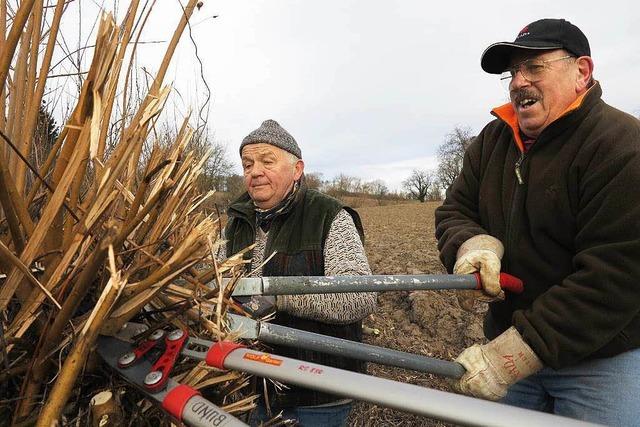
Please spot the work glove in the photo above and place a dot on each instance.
(493, 367)
(481, 253)
(258, 306)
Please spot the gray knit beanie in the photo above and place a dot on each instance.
(270, 132)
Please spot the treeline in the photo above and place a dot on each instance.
(220, 175)
(422, 184)
(342, 186)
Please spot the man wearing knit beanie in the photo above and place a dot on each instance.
(272, 165)
(270, 132)
(311, 234)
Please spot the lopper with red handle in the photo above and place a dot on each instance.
(461, 410)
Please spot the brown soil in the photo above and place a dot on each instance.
(400, 240)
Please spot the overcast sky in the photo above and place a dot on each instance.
(371, 88)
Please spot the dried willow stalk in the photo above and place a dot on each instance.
(75, 361)
(126, 229)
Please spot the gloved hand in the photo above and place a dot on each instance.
(258, 306)
(481, 253)
(493, 367)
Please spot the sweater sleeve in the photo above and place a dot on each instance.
(344, 255)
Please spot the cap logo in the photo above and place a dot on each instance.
(523, 32)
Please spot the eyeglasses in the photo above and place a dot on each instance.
(532, 70)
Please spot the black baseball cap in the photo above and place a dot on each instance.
(545, 34)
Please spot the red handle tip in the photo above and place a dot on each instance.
(507, 283)
(511, 283)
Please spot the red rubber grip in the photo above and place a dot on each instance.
(177, 398)
(219, 351)
(507, 283)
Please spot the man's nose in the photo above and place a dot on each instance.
(518, 81)
(257, 169)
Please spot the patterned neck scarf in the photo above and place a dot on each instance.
(264, 217)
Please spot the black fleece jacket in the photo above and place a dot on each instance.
(571, 229)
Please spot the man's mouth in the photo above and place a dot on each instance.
(526, 103)
(525, 100)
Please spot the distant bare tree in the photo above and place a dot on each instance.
(218, 166)
(342, 184)
(419, 183)
(44, 138)
(378, 189)
(313, 180)
(451, 155)
(357, 186)
(435, 193)
(234, 185)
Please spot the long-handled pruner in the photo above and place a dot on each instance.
(419, 400)
(248, 328)
(296, 285)
(270, 333)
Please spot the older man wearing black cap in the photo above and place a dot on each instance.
(311, 234)
(548, 192)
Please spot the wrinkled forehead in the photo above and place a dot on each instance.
(521, 55)
(260, 150)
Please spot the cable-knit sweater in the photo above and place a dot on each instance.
(344, 255)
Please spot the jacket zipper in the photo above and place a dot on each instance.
(515, 204)
(518, 165)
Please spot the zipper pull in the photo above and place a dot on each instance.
(518, 173)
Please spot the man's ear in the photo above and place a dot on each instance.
(585, 72)
(299, 169)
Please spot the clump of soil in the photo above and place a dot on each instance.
(400, 240)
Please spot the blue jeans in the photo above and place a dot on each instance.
(604, 391)
(319, 416)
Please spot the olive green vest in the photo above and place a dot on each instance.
(298, 237)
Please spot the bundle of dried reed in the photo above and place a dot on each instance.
(119, 235)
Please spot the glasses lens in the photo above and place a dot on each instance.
(505, 79)
(532, 70)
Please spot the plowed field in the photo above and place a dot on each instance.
(400, 240)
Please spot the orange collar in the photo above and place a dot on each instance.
(507, 114)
